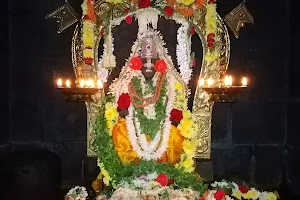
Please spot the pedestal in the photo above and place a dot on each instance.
(205, 168)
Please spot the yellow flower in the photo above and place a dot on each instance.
(189, 147)
(111, 114)
(251, 194)
(271, 196)
(178, 86)
(185, 131)
(211, 56)
(106, 177)
(114, 1)
(186, 2)
(188, 163)
(237, 194)
(88, 53)
(187, 114)
(84, 7)
(104, 172)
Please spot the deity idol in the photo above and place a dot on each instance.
(153, 121)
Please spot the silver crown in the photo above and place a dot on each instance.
(148, 47)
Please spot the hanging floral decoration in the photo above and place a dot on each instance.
(211, 29)
(88, 26)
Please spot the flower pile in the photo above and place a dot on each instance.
(77, 193)
(230, 190)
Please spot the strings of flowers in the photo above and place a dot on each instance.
(88, 26)
(187, 127)
(211, 29)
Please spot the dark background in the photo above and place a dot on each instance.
(256, 139)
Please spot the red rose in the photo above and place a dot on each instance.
(126, 10)
(171, 181)
(192, 31)
(162, 179)
(219, 195)
(128, 19)
(144, 3)
(124, 101)
(88, 60)
(244, 189)
(202, 198)
(210, 44)
(168, 11)
(136, 63)
(176, 115)
(160, 66)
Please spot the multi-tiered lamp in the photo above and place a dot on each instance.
(223, 90)
(82, 89)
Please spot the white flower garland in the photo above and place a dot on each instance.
(152, 150)
(183, 50)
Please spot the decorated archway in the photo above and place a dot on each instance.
(202, 19)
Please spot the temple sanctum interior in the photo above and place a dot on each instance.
(150, 100)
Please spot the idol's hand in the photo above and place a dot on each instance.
(123, 112)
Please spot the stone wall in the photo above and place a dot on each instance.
(255, 139)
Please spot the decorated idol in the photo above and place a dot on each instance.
(146, 129)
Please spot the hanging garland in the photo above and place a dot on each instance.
(88, 26)
(211, 29)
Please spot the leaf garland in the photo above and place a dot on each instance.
(150, 127)
(125, 172)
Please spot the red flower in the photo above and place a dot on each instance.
(168, 11)
(211, 35)
(171, 181)
(126, 10)
(124, 101)
(128, 19)
(244, 189)
(192, 31)
(144, 3)
(102, 32)
(219, 195)
(202, 198)
(88, 60)
(210, 44)
(176, 115)
(194, 62)
(162, 179)
(136, 63)
(212, 1)
(160, 66)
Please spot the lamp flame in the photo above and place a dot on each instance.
(244, 81)
(59, 82)
(68, 83)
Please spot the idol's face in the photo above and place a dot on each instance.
(148, 68)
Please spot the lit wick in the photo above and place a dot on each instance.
(59, 82)
(201, 82)
(82, 82)
(68, 83)
(210, 82)
(244, 82)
